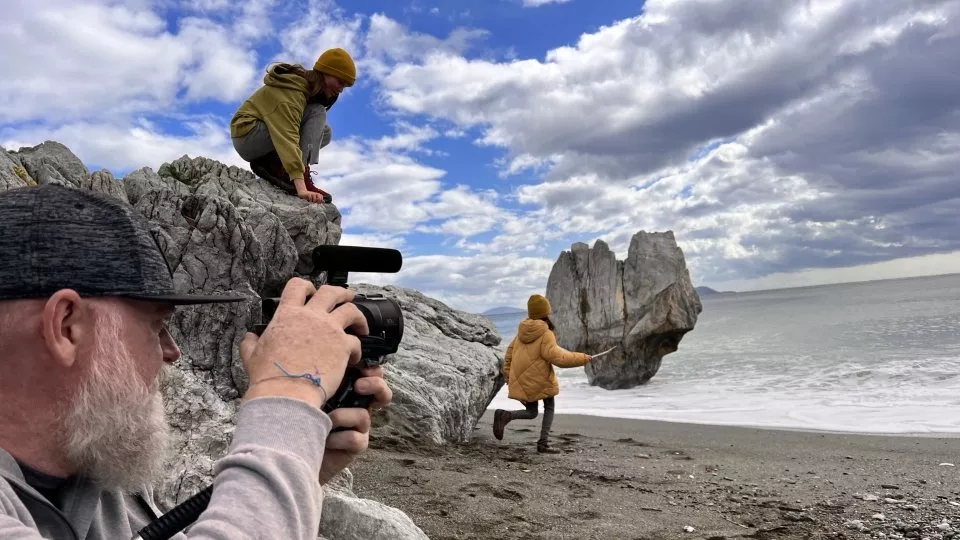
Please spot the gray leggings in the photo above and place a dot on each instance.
(531, 412)
(315, 133)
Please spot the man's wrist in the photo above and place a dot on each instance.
(300, 185)
(291, 387)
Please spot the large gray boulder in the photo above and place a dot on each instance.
(12, 172)
(348, 517)
(53, 163)
(643, 306)
(443, 377)
(223, 230)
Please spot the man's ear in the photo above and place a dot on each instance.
(66, 324)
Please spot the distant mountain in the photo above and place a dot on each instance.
(503, 311)
(707, 291)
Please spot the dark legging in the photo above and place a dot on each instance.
(531, 412)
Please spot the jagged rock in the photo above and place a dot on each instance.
(53, 163)
(103, 182)
(279, 251)
(348, 517)
(643, 305)
(12, 172)
(223, 230)
(444, 375)
(142, 181)
(306, 224)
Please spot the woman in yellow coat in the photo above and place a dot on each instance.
(528, 369)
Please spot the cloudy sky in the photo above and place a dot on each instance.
(785, 142)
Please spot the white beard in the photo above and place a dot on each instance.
(114, 431)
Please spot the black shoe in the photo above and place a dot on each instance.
(498, 424)
(543, 447)
(270, 168)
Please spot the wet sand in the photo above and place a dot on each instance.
(633, 479)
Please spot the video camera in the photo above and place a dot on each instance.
(384, 316)
(385, 321)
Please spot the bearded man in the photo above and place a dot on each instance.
(85, 296)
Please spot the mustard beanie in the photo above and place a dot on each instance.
(538, 307)
(337, 62)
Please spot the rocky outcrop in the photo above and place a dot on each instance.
(643, 306)
(348, 517)
(12, 172)
(224, 230)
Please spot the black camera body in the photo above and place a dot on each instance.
(384, 315)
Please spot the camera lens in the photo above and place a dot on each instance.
(385, 321)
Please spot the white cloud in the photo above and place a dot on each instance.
(476, 283)
(388, 38)
(255, 20)
(86, 60)
(627, 98)
(463, 213)
(538, 3)
(205, 5)
(389, 193)
(117, 84)
(218, 69)
(387, 42)
(319, 26)
(386, 240)
(770, 136)
(385, 193)
(120, 117)
(125, 147)
(379, 191)
(409, 138)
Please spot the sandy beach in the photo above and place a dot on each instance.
(630, 479)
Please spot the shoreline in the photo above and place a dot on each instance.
(675, 424)
(931, 421)
(626, 479)
(583, 417)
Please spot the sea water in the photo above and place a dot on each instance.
(876, 357)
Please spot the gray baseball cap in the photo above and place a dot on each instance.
(54, 237)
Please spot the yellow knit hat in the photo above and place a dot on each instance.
(337, 62)
(538, 307)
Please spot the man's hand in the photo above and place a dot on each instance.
(344, 446)
(304, 338)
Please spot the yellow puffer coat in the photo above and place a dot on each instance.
(528, 366)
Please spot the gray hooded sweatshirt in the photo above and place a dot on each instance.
(266, 486)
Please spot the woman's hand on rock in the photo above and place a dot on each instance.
(310, 196)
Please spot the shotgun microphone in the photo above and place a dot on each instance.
(357, 259)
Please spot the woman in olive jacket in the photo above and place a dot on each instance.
(281, 128)
(528, 369)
